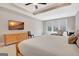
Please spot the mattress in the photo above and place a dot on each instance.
(48, 45)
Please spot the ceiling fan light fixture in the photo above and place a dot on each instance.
(35, 3)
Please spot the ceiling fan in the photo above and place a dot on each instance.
(36, 6)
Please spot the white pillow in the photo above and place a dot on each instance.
(77, 42)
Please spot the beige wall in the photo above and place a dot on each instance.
(71, 24)
(77, 21)
(30, 24)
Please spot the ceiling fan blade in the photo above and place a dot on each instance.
(28, 3)
(36, 6)
(42, 3)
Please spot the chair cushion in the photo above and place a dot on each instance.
(72, 39)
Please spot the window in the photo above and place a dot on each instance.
(49, 28)
(56, 25)
(55, 28)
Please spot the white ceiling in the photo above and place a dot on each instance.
(31, 8)
(65, 11)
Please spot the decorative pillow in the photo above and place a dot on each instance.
(77, 42)
(72, 39)
(77, 33)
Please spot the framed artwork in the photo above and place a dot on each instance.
(15, 25)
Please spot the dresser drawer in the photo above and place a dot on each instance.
(10, 38)
(13, 38)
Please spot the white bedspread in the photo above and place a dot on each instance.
(48, 45)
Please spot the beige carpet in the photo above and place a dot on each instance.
(11, 50)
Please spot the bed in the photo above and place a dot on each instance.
(48, 45)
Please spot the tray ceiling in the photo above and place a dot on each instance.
(41, 13)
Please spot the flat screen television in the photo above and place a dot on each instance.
(15, 25)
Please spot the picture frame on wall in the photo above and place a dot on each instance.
(15, 25)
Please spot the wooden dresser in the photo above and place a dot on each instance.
(13, 38)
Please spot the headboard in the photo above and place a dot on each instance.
(13, 38)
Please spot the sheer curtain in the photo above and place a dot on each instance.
(59, 25)
(53, 26)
